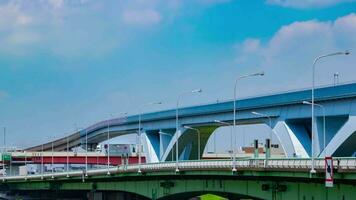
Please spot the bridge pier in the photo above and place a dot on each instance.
(344, 141)
(188, 143)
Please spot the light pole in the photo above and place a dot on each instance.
(76, 130)
(177, 123)
(4, 139)
(121, 117)
(108, 149)
(227, 124)
(42, 161)
(139, 132)
(312, 103)
(268, 154)
(324, 122)
(52, 165)
(67, 138)
(86, 152)
(237, 80)
(26, 163)
(198, 132)
(10, 167)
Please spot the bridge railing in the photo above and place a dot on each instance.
(294, 164)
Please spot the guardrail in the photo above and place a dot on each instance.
(340, 164)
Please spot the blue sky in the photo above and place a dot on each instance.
(67, 63)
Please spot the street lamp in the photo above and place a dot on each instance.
(42, 161)
(198, 132)
(108, 144)
(52, 149)
(4, 139)
(76, 129)
(86, 152)
(312, 102)
(268, 153)
(239, 78)
(324, 122)
(108, 148)
(67, 156)
(177, 123)
(139, 132)
(227, 124)
(25, 164)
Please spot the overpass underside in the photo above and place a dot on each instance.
(293, 134)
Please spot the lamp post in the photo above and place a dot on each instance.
(312, 102)
(177, 123)
(4, 139)
(25, 165)
(42, 161)
(76, 129)
(198, 132)
(10, 166)
(324, 122)
(268, 154)
(237, 80)
(139, 132)
(108, 149)
(67, 138)
(86, 152)
(52, 149)
(227, 124)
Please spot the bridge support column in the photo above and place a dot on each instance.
(344, 142)
(151, 146)
(290, 143)
(188, 142)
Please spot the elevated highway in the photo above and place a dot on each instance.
(291, 122)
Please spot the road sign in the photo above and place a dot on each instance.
(329, 174)
(5, 157)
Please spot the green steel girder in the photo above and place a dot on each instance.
(168, 185)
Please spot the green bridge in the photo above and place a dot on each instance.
(255, 179)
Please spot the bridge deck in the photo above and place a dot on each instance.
(341, 165)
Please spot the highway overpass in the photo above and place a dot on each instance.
(291, 122)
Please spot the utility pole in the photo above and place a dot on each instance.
(4, 139)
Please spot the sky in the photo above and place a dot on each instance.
(66, 64)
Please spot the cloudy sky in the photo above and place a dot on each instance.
(70, 63)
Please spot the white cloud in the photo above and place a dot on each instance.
(141, 17)
(61, 27)
(293, 47)
(15, 29)
(12, 17)
(72, 28)
(307, 3)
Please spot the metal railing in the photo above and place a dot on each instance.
(294, 164)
